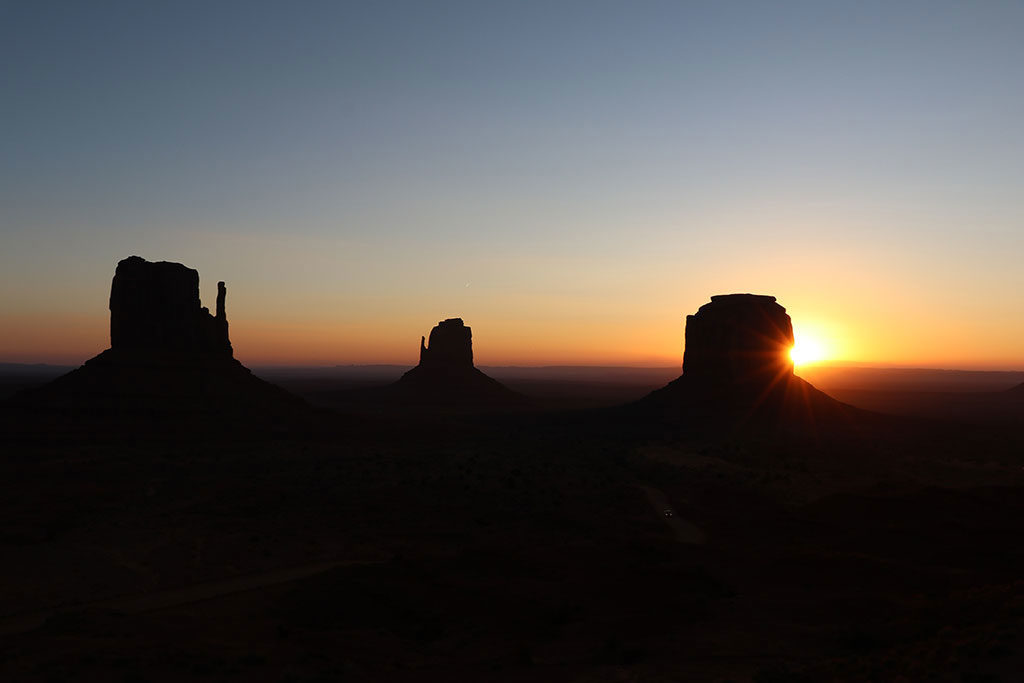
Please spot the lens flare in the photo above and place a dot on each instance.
(807, 350)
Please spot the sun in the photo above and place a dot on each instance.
(807, 350)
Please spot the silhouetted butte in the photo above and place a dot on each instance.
(156, 306)
(446, 376)
(167, 355)
(737, 368)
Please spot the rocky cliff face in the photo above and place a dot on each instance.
(451, 345)
(739, 340)
(155, 306)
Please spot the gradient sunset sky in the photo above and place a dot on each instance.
(572, 179)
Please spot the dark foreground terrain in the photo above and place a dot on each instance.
(520, 547)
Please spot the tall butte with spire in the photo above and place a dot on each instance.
(167, 353)
(737, 368)
(156, 307)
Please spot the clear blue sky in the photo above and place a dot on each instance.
(571, 178)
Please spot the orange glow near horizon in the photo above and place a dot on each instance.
(636, 341)
(542, 334)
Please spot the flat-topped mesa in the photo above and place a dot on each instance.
(155, 306)
(737, 372)
(738, 341)
(450, 346)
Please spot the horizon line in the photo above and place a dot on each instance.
(837, 364)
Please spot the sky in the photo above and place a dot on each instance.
(570, 178)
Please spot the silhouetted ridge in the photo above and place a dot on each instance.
(736, 368)
(167, 354)
(445, 375)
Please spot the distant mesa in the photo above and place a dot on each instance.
(167, 355)
(736, 367)
(446, 376)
